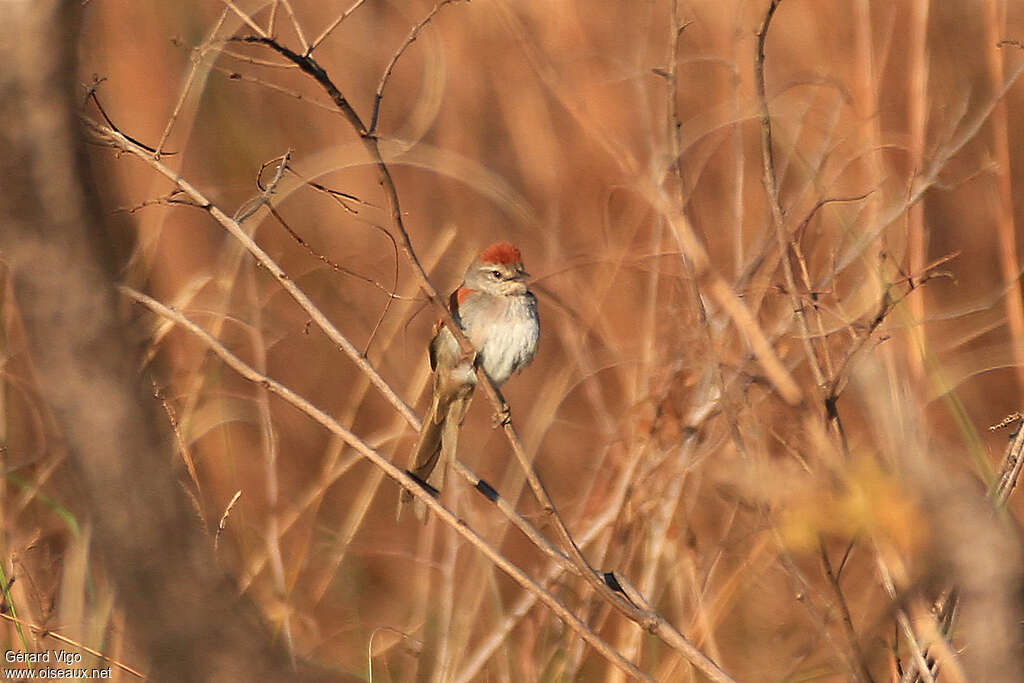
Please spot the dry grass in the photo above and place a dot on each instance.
(775, 330)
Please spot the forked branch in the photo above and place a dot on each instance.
(648, 619)
(400, 476)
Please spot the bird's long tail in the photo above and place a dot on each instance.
(436, 445)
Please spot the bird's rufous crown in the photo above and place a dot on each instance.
(502, 252)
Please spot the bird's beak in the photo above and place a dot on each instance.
(522, 276)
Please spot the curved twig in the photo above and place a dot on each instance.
(400, 476)
(648, 619)
(410, 39)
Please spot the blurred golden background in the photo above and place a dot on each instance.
(595, 135)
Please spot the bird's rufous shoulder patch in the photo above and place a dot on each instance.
(461, 293)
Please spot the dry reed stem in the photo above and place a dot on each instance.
(249, 21)
(357, 513)
(117, 139)
(829, 372)
(655, 548)
(186, 454)
(861, 672)
(331, 470)
(249, 59)
(183, 115)
(235, 76)
(674, 136)
(296, 26)
(772, 189)
(610, 513)
(1013, 461)
(308, 50)
(648, 619)
(669, 500)
(917, 98)
(386, 76)
(963, 131)
(73, 334)
(722, 292)
(349, 528)
(407, 482)
(837, 373)
(916, 651)
(198, 54)
(445, 594)
(268, 440)
(48, 633)
(707, 619)
(995, 27)
(806, 596)
(858, 660)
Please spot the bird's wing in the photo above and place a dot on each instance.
(453, 306)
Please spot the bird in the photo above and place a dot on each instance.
(496, 309)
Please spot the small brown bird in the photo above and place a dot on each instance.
(499, 315)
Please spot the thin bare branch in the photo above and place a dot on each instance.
(197, 56)
(771, 188)
(47, 633)
(409, 40)
(649, 620)
(861, 672)
(333, 25)
(122, 142)
(256, 61)
(237, 76)
(916, 651)
(399, 476)
(296, 26)
(249, 21)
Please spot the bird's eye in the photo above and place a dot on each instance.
(496, 274)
